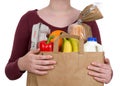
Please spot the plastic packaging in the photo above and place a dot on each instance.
(39, 33)
(43, 32)
(92, 46)
(83, 30)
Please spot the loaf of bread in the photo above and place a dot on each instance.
(82, 30)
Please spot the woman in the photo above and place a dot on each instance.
(55, 16)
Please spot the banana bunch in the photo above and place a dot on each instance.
(70, 45)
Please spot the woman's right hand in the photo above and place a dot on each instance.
(35, 63)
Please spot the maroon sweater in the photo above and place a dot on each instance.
(22, 40)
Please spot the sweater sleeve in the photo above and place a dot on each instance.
(20, 48)
(95, 30)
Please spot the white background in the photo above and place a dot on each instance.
(12, 10)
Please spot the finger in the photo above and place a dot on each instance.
(44, 68)
(100, 79)
(44, 57)
(96, 74)
(45, 62)
(100, 65)
(107, 61)
(40, 72)
(36, 51)
(97, 69)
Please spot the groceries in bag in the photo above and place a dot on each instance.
(80, 29)
(92, 46)
(46, 45)
(70, 45)
(56, 33)
(39, 33)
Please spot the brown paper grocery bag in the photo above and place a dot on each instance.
(70, 70)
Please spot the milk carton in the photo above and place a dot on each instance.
(92, 46)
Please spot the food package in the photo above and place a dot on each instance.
(90, 13)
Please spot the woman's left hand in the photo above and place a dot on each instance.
(101, 72)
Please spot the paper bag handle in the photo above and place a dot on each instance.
(65, 35)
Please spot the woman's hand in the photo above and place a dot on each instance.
(101, 72)
(38, 64)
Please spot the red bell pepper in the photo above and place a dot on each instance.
(46, 45)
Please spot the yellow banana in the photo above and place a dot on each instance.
(75, 44)
(67, 47)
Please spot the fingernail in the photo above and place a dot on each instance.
(38, 49)
(50, 56)
(54, 62)
(89, 73)
(88, 67)
(52, 67)
(93, 62)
